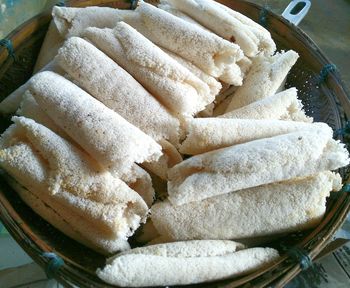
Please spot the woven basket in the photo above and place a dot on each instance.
(324, 98)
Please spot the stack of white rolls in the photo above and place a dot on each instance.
(184, 100)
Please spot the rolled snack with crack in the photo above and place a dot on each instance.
(73, 21)
(223, 99)
(208, 134)
(140, 181)
(204, 49)
(229, 24)
(263, 161)
(137, 179)
(263, 79)
(214, 85)
(183, 263)
(272, 209)
(171, 83)
(169, 159)
(52, 42)
(284, 105)
(12, 102)
(233, 73)
(117, 89)
(101, 132)
(60, 173)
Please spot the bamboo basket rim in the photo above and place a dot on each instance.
(71, 272)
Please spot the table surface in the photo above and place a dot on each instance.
(327, 23)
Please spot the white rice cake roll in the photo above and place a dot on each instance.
(263, 161)
(30, 109)
(171, 83)
(52, 42)
(137, 179)
(183, 263)
(105, 135)
(206, 50)
(117, 89)
(73, 226)
(172, 10)
(169, 159)
(229, 24)
(214, 85)
(232, 74)
(207, 134)
(281, 106)
(12, 102)
(42, 161)
(272, 209)
(188, 249)
(73, 21)
(140, 181)
(263, 79)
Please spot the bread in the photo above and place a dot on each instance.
(105, 135)
(229, 24)
(264, 78)
(54, 169)
(263, 161)
(172, 84)
(52, 42)
(73, 21)
(276, 208)
(282, 106)
(204, 49)
(207, 134)
(118, 90)
(12, 102)
(183, 263)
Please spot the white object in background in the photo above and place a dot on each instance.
(296, 11)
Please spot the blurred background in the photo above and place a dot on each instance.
(15, 12)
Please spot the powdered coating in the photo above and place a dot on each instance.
(73, 21)
(138, 270)
(281, 106)
(171, 83)
(207, 134)
(104, 134)
(253, 212)
(117, 89)
(204, 49)
(264, 78)
(58, 172)
(229, 24)
(255, 163)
